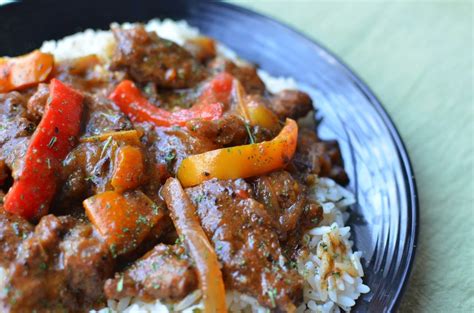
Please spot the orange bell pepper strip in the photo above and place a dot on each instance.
(128, 172)
(25, 71)
(186, 222)
(209, 106)
(241, 161)
(52, 140)
(123, 220)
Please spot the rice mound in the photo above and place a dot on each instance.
(332, 271)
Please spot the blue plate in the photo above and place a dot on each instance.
(385, 220)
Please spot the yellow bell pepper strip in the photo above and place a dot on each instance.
(25, 71)
(52, 140)
(209, 105)
(128, 169)
(186, 222)
(131, 137)
(124, 220)
(241, 161)
(255, 113)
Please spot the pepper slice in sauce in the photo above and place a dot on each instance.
(52, 140)
(209, 105)
(183, 214)
(241, 161)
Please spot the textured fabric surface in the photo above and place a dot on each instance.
(418, 59)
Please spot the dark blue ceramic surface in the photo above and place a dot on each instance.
(385, 219)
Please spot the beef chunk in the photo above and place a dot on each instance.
(102, 115)
(86, 73)
(37, 103)
(228, 130)
(62, 265)
(15, 130)
(202, 48)
(167, 147)
(163, 273)
(316, 156)
(12, 152)
(244, 239)
(13, 230)
(13, 118)
(149, 58)
(246, 74)
(291, 103)
(286, 200)
(88, 169)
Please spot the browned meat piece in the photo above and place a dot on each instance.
(88, 169)
(86, 73)
(319, 157)
(61, 266)
(13, 230)
(202, 48)
(286, 200)
(169, 146)
(15, 130)
(228, 130)
(12, 105)
(163, 273)
(37, 102)
(242, 233)
(86, 263)
(13, 121)
(291, 103)
(246, 74)
(12, 153)
(148, 58)
(102, 115)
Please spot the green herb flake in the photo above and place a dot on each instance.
(179, 240)
(170, 156)
(249, 132)
(155, 209)
(141, 219)
(43, 266)
(16, 229)
(324, 246)
(272, 293)
(120, 284)
(199, 198)
(113, 250)
(106, 145)
(52, 141)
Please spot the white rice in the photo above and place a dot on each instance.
(326, 289)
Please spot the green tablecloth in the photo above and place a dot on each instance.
(418, 59)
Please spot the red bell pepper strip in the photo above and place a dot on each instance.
(209, 105)
(52, 140)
